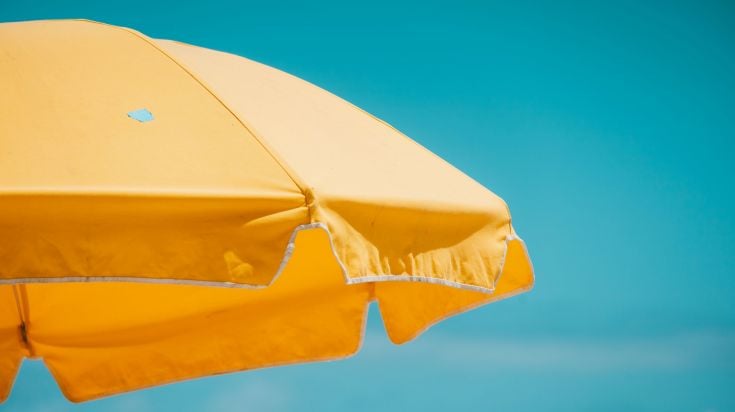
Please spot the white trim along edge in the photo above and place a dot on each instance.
(286, 257)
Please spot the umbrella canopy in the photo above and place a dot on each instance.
(169, 211)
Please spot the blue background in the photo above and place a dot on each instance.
(607, 127)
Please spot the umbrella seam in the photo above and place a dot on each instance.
(295, 178)
(21, 304)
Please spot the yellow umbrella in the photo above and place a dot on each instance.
(169, 211)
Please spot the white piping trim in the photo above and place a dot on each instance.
(511, 237)
(416, 278)
(131, 279)
(419, 279)
(284, 261)
(134, 279)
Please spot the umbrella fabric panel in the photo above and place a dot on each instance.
(393, 207)
(224, 128)
(164, 239)
(104, 338)
(337, 149)
(88, 191)
(387, 243)
(409, 308)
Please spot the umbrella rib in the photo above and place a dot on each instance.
(17, 303)
(23, 327)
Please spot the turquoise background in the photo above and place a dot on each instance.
(609, 129)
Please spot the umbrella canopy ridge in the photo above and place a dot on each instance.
(138, 174)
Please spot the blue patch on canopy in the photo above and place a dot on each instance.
(141, 115)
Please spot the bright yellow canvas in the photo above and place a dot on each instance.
(169, 211)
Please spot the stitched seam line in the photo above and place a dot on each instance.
(289, 172)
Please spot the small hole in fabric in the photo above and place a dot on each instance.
(141, 115)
